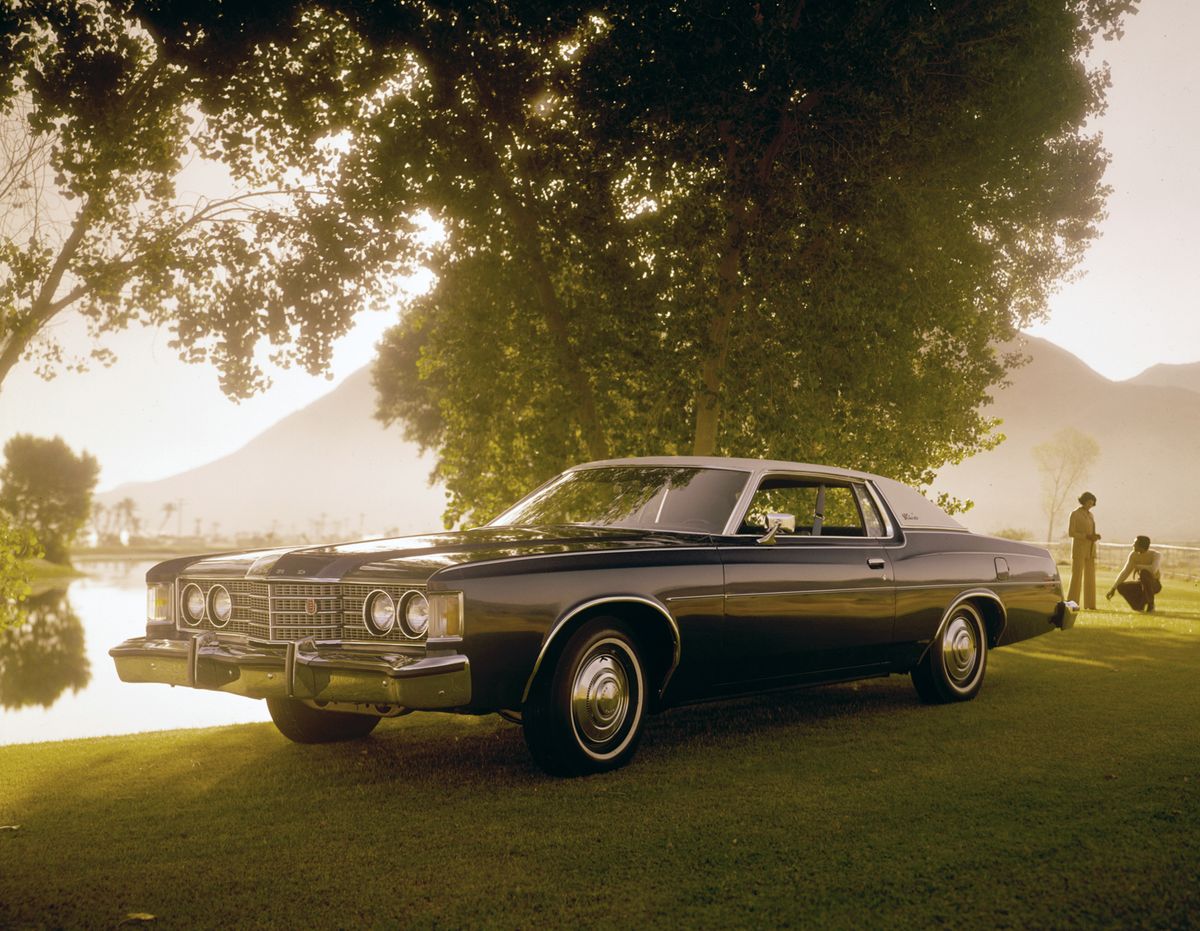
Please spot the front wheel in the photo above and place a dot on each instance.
(584, 715)
(307, 725)
(952, 668)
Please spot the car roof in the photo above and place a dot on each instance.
(728, 462)
(912, 509)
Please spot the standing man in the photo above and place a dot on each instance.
(1083, 552)
(1146, 563)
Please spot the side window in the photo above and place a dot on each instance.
(870, 513)
(820, 508)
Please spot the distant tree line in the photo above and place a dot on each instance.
(795, 230)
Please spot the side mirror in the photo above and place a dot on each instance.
(775, 523)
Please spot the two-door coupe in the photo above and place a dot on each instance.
(615, 590)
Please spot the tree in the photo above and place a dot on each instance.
(48, 488)
(96, 128)
(805, 248)
(45, 658)
(1063, 461)
(18, 545)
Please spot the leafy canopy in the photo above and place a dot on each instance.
(47, 488)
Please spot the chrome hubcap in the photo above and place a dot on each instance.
(960, 650)
(600, 695)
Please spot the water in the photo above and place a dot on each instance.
(57, 680)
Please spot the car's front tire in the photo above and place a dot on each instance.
(585, 713)
(307, 725)
(953, 666)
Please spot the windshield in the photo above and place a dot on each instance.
(643, 497)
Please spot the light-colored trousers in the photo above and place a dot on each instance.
(1083, 573)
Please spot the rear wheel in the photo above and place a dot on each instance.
(953, 666)
(584, 714)
(307, 725)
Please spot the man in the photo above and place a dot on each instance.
(1083, 552)
(1146, 563)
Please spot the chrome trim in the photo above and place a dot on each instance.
(406, 627)
(741, 509)
(211, 611)
(966, 596)
(186, 615)
(612, 599)
(369, 621)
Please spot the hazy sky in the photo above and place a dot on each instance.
(151, 415)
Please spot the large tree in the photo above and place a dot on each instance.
(716, 227)
(47, 488)
(103, 141)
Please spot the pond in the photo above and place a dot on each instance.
(57, 680)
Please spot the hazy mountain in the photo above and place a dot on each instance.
(1166, 375)
(1149, 437)
(330, 470)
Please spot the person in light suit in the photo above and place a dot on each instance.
(1082, 530)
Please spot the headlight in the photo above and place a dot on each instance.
(379, 613)
(193, 604)
(220, 605)
(158, 602)
(416, 615)
(445, 616)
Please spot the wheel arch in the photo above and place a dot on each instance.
(656, 631)
(990, 607)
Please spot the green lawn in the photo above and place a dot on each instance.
(1066, 795)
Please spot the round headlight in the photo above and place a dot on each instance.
(220, 605)
(193, 604)
(416, 614)
(379, 613)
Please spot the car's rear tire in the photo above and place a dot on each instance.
(952, 668)
(307, 725)
(585, 712)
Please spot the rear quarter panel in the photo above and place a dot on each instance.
(932, 568)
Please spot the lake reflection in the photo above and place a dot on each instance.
(57, 680)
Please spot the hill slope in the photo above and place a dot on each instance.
(1149, 438)
(328, 470)
(1166, 375)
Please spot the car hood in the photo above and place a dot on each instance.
(415, 558)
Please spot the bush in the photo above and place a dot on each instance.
(18, 545)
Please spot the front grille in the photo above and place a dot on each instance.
(283, 611)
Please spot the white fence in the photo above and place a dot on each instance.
(1179, 561)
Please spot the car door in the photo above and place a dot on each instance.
(814, 601)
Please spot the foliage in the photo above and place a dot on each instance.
(1012, 533)
(805, 249)
(45, 656)
(1063, 461)
(48, 488)
(101, 137)
(18, 546)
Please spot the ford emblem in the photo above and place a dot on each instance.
(310, 607)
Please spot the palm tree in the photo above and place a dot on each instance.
(168, 510)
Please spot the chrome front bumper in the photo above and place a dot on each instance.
(302, 670)
(1064, 615)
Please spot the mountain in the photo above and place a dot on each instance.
(1149, 438)
(1166, 375)
(330, 470)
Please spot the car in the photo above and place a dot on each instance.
(613, 591)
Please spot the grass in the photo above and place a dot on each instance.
(1066, 795)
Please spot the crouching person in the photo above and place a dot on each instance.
(1143, 572)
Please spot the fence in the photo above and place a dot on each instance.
(1179, 561)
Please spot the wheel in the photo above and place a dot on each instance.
(584, 714)
(952, 668)
(307, 725)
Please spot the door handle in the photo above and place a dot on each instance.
(876, 563)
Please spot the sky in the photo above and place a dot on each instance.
(1134, 304)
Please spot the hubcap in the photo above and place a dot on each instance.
(960, 650)
(600, 695)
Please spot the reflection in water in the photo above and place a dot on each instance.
(45, 656)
